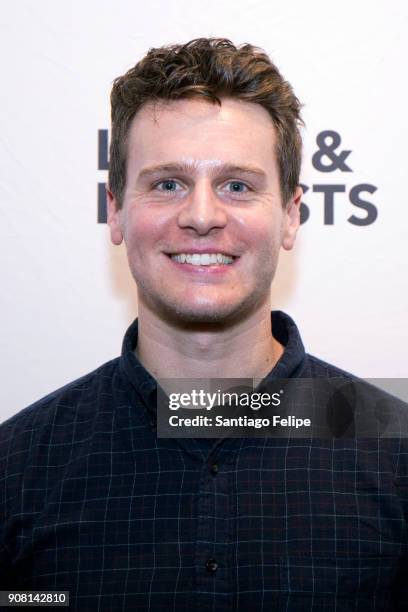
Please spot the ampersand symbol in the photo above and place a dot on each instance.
(327, 142)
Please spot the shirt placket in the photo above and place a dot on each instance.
(213, 578)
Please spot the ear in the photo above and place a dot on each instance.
(292, 219)
(114, 214)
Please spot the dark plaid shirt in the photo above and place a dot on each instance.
(92, 502)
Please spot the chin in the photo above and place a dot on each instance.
(211, 314)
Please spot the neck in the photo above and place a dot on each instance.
(245, 350)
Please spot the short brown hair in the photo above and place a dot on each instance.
(210, 68)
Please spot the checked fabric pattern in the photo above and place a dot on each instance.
(93, 503)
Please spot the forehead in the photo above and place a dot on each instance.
(196, 130)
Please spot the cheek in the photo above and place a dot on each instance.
(261, 231)
(144, 232)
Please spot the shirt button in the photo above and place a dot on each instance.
(211, 566)
(214, 469)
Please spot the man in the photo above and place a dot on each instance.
(203, 190)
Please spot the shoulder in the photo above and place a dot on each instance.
(317, 368)
(378, 413)
(366, 391)
(52, 418)
(369, 389)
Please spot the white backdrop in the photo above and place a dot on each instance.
(67, 296)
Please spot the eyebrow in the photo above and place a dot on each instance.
(192, 168)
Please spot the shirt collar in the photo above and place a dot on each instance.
(289, 365)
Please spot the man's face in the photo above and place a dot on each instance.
(202, 182)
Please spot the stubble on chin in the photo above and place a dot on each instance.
(180, 314)
(212, 313)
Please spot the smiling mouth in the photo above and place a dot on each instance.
(203, 259)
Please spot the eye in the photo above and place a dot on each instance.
(167, 186)
(237, 187)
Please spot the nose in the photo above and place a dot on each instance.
(202, 211)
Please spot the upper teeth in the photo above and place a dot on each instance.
(202, 259)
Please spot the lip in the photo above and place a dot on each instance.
(200, 251)
(213, 269)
